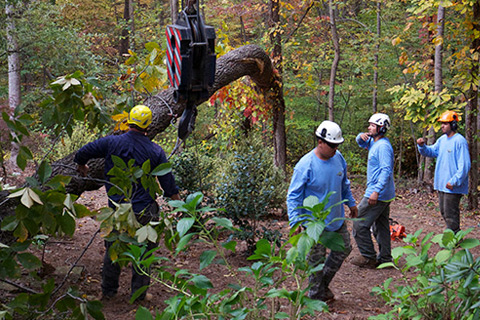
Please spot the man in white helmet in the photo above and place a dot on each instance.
(318, 173)
(375, 205)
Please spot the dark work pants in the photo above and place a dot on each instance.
(319, 281)
(376, 216)
(111, 271)
(449, 204)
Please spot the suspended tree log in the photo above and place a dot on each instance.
(248, 60)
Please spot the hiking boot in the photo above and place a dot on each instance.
(325, 296)
(363, 262)
(106, 296)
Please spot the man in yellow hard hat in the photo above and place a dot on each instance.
(133, 144)
(451, 169)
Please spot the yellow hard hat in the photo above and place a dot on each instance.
(448, 116)
(140, 116)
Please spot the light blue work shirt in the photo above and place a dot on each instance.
(313, 176)
(379, 168)
(453, 163)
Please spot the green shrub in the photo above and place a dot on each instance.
(443, 286)
(249, 187)
(192, 171)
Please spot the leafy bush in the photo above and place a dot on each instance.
(274, 268)
(192, 171)
(249, 186)
(444, 285)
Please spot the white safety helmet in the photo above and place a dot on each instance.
(382, 121)
(330, 132)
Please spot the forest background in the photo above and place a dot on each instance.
(70, 66)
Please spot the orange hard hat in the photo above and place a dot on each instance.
(448, 116)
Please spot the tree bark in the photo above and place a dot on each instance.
(472, 115)
(14, 78)
(375, 57)
(438, 80)
(125, 37)
(336, 60)
(275, 98)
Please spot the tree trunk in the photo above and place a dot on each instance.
(438, 79)
(125, 37)
(375, 57)
(336, 60)
(276, 97)
(14, 77)
(472, 115)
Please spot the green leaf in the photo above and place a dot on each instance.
(143, 314)
(223, 222)
(184, 225)
(282, 315)
(94, 309)
(162, 169)
(332, 240)
(118, 162)
(315, 229)
(202, 282)
(29, 261)
(442, 256)
(469, 243)
(310, 201)
(44, 171)
(230, 245)
(206, 258)
(67, 224)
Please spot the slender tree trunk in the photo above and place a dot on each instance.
(276, 98)
(125, 38)
(472, 116)
(438, 80)
(336, 60)
(375, 57)
(14, 77)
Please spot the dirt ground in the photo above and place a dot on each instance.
(352, 285)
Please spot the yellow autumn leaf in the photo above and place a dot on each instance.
(396, 41)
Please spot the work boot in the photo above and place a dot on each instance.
(363, 262)
(325, 295)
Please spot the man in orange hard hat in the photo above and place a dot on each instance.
(451, 169)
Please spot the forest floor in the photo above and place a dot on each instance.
(413, 208)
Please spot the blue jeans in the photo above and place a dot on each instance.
(376, 216)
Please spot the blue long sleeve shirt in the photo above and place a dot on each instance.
(313, 176)
(130, 145)
(379, 168)
(453, 163)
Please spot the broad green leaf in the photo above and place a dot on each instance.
(143, 314)
(44, 171)
(469, 243)
(202, 282)
(162, 169)
(315, 229)
(206, 258)
(442, 256)
(184, 225)
(29, 261)
(224, 222)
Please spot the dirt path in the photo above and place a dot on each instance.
(351, 286)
